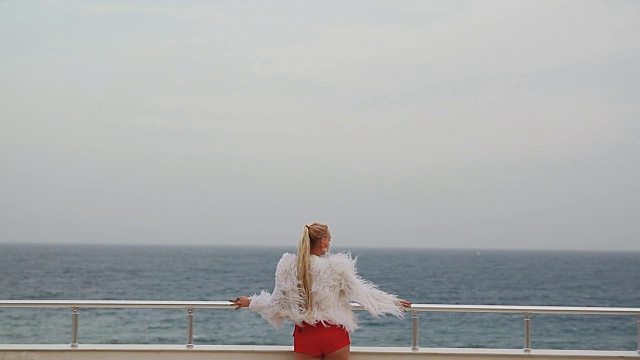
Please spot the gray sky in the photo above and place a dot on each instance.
(444, 124)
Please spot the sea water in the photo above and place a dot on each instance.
(428, 276)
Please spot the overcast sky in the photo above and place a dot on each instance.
(440, 124)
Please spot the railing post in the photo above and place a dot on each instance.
(638, 333)
(189, 327)
(74, 328)
(527, 332)
(414, 324)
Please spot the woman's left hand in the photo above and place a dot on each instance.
(404, 303)
(241, 302)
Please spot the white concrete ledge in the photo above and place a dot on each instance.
(263, 352)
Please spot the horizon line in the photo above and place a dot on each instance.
(341, 248)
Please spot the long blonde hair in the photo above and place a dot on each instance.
(311, 234)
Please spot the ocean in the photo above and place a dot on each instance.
(427, 276)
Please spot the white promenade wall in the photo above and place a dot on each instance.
(235, 352)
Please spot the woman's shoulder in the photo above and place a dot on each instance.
(342, 261)
(288, 257)
(287, 260)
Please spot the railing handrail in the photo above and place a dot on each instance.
(151, 304)
(415, 309)
(140, 304)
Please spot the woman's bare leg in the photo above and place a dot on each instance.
(340, 354)
(300, 356)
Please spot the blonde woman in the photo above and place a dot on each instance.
(313, 290)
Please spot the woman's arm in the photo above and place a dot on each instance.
(366, 293)
(283, 303)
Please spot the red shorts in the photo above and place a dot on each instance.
(320, 339)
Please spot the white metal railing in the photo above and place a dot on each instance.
(415, 309)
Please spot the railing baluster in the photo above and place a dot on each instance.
(189, 327)
(527, 332)
(414, 341)
(638, 333)
(74, 328)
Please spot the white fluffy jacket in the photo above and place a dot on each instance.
(335, 283)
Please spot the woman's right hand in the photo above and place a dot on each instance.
(241, 302)
(405, 304)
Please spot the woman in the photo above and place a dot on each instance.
(314, 290)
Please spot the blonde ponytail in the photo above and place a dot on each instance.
(311, 234)
(304, 276)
